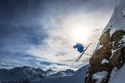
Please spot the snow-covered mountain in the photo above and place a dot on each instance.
(20, 73)
(23, 73)
(77, 77)
(68, 72)
(107, 61)
(30, 74)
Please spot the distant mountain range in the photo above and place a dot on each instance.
(30, 74)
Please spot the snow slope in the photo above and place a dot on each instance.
(117, 22)
(110, 51)
(118, 18)
(118, 76)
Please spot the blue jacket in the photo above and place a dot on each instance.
(79, 47)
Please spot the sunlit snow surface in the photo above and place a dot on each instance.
(99, 76)
(118, 76)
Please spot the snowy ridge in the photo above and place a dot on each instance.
(30, 73)
(117, 22)
(38, 75)
(109, 54)
(77, 77)
(118, 18)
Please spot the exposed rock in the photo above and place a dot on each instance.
(116, 39)
(118, 35)
(105, 38)
(112, 43)
(115, 59)
(105, 52)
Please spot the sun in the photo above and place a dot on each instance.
(80, 34)
(77, 30)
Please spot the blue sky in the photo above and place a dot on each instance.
(41, 33)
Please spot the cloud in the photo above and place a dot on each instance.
(57, 48)
(5, 65)
(37, 33)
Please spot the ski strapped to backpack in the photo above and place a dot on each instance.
(83, 52)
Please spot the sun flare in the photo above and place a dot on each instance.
(80, 34)
(77, 29)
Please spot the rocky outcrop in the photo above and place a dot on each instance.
(110, 51)
(109, 43)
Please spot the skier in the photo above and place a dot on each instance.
(80, 47)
